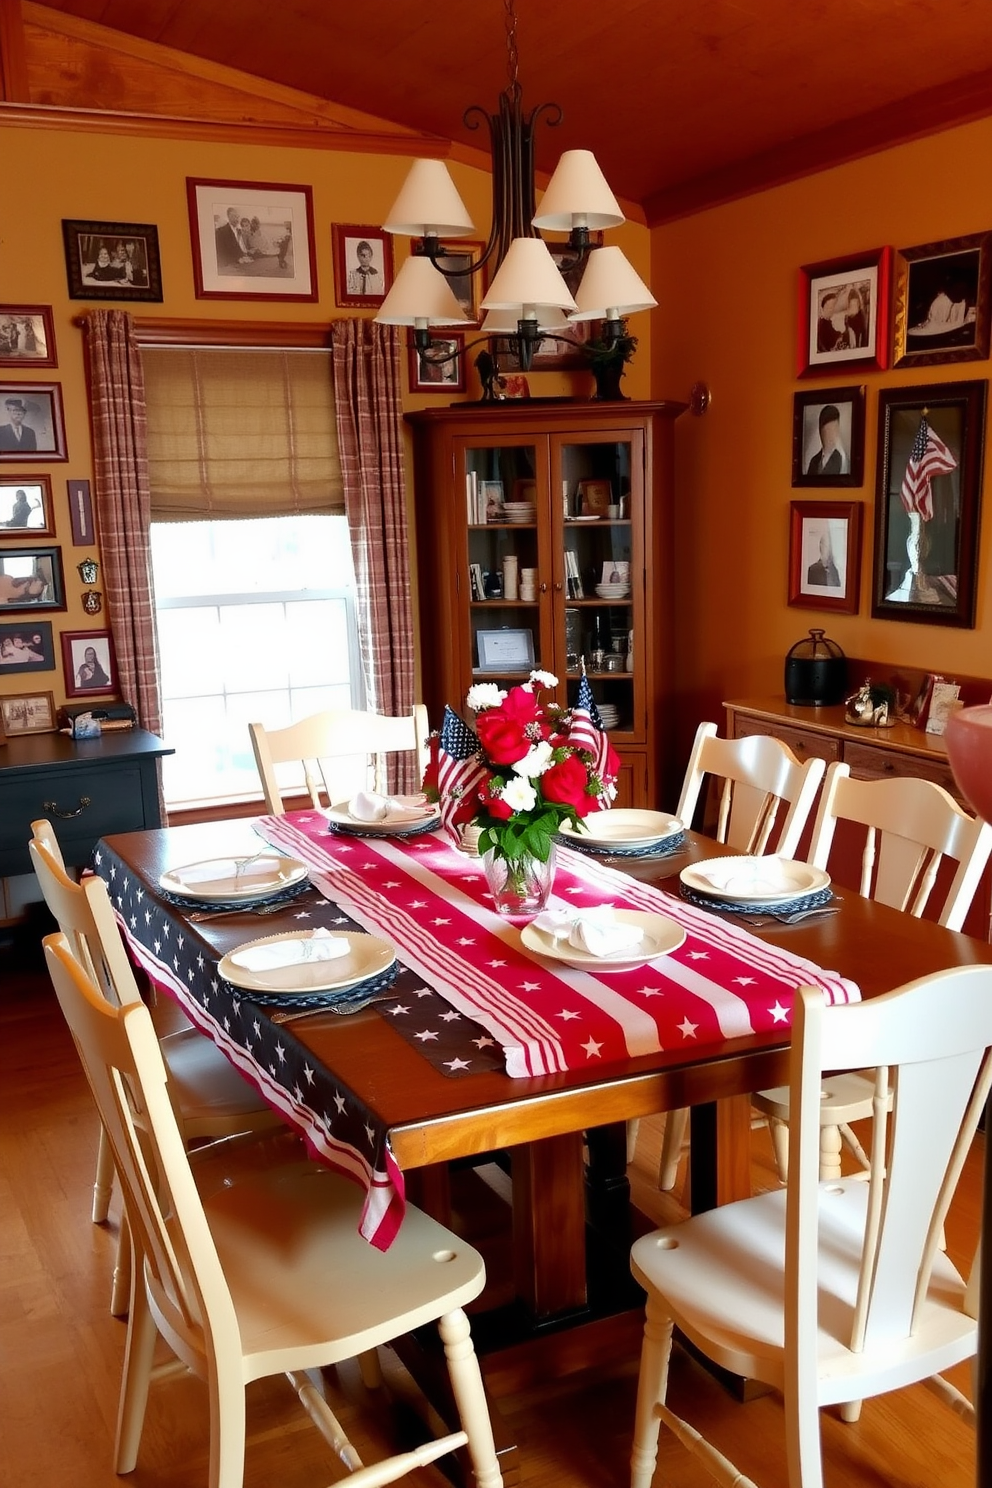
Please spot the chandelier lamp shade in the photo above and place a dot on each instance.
(527, 297)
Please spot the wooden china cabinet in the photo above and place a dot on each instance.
(570, 498)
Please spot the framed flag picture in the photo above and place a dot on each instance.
(931, 443)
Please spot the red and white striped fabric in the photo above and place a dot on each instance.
(432, 902)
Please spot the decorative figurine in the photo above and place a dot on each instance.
(93, 601)
(87, 570)
(869, 707)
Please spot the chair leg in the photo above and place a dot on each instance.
(470, 1397)
(859, 1152)
(676, 1125)
(103, 1181)
(141, 1336)
(120, 1292)
(802, 1439)
(652, 1387)
(780, 1146)
(829, 1152)
(633, 1127)
(227, 1427)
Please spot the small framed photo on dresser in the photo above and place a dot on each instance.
(88, 663)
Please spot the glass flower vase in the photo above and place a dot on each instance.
(519, 886)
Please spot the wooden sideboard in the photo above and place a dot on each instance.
(872, 754)
(87, 788)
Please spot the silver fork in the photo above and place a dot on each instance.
(791, 917)
(199, 915)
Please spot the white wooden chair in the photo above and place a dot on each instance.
(910, 826)
(252, 1260)
(210, 1097)
(760, 776)
(356, 741)
(833, 1292)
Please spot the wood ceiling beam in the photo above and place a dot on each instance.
(13, 55)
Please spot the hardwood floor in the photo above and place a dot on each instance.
(61, 1351)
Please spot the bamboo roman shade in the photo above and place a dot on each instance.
(240, 433)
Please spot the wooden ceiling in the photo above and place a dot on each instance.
(685, 102)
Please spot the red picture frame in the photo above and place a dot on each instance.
(825, 555)
(41, 405)
(75, 645)
(439, 377)
(354, 249)
(277, 260)
(845, 314)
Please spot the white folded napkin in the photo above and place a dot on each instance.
(242, 869)
(596, 931)
(368, 806)
(751, 876)
(322, 945)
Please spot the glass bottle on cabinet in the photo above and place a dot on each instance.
(544, 543)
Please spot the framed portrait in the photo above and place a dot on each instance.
(251, 240)
(941, 302)
(27, 336)
(30, 713)
(26, 506)
(88, 663)
(595, 497)
(844, 313)
(825, 555)
(112, 260)
(31, 422)
(505, 650)
(26, 646)
(363, 264)
(828, 437)
(31, 579)
(931, 444)
(441, 369)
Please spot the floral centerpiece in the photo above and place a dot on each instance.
(532, 766)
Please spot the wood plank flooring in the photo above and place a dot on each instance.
(61, 1351)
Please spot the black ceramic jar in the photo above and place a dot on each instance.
(815, 672)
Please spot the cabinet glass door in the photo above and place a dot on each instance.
(602, 509)
(509, 606)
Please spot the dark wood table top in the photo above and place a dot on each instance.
(433, 1119)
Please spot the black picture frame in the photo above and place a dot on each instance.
(31, 580)
(942, 302)
(825, 555)
(812, 425)
(40, 405)
(833, 286)
(26, 646)
(112, 260)
(925, 567)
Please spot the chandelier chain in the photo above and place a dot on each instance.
(512, 55)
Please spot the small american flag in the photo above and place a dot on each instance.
(461, 770)
(928, 457)
(586, 729)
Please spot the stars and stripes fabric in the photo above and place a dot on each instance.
(461, 770)
(586, 728)
(928, 457)
(434, 905)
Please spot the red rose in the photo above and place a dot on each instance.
(502, 731)
(494, 804)
(567, 784)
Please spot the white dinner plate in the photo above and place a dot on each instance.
(768, 880)
(251, 877)
(591, 517)
(388, 826)
(623, 827)
(660, 936)
(367, 957)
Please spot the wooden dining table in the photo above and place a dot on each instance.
(571, 1222)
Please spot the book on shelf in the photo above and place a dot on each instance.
(573, 579)
(477, 581)
(472, 498)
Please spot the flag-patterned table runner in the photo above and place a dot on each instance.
(432, 902)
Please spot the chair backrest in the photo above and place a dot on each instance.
(759, 775)
(910, 826)
(120, 1054)
(342, 735)
(84, 914)
(929, 1042)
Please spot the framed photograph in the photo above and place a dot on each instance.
(941, 302)
(441, 369)
(31, 713)
(26, 506)
(363, 264)
(595, 497)
(31, 422)
(828, 437)
(825, 555)
(491, 493)
(252, 240)
(88, 663)
(457, 260)
(27, 336)
(112, 260)
(931, 444)
(505, 650)
(844, 313)
(26, 647)
(31, 579)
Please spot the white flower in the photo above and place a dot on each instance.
(535, 761)
(484, 695)
(519, 794)
(544, 679)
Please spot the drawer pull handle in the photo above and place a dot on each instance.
(84, 801)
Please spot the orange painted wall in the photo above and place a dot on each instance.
(54, 173)
(727, 283)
